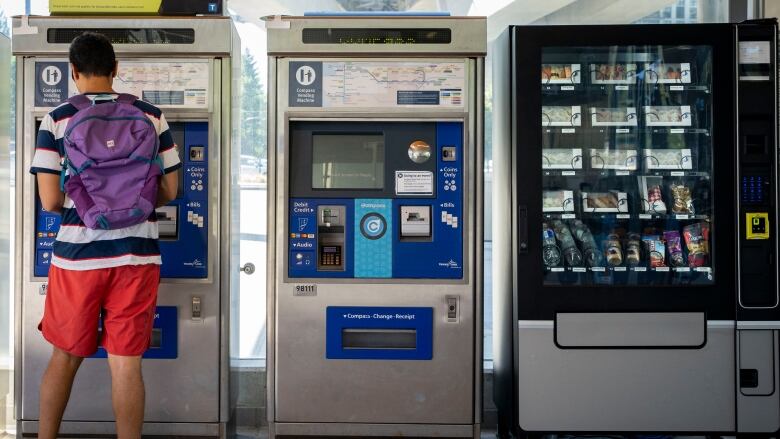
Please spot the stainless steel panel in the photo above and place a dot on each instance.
(30, 37)
(150, 428)
(185, 396)
(758, 413)
(468, 36)
(439, 391)
(370, 397)
(757, 351)
(625, 389)
(577, 330)
(368, 430)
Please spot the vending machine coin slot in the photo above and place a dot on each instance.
(330, 238)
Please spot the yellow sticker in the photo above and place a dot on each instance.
(113, 7)
(757, 225)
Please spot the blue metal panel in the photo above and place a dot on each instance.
(187, 256)
(339, 318)
(166, 321)
(303, 238)
(442, 257)
(373, 238)
(46, 227)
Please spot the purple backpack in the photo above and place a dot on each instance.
(112, 166)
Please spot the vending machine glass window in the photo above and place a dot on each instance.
(627, 165)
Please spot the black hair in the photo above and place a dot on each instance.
(92, 54)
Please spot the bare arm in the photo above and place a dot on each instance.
(168, 188)
(52, 198)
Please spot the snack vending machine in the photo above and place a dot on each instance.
(638, 291)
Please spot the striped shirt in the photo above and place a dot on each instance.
(78, 247)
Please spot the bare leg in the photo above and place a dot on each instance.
(55, 391)
(127, 395)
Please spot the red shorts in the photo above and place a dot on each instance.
(124, 296)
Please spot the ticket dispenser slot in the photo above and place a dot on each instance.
(330, 241)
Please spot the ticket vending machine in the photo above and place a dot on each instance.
(183, 67)
(375, 134)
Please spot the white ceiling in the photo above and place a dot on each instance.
(500, 13)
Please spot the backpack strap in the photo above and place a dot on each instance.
(126, 98)
(80, 101)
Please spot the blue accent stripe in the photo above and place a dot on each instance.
(173, 168)
(166, 141)
(107, 249)
(37, 170)
(63, 112)
(148, 108)
(46, 140)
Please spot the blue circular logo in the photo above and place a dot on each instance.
(373, 225)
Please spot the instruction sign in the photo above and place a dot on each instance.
(51, 83)
(413, 183)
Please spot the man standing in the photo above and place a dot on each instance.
(104, 275)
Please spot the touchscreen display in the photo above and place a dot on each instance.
(348, 161)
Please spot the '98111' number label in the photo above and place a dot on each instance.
(306, 290)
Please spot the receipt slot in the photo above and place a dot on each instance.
(375, 231)
(184, 68)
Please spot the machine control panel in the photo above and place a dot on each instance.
(374, 200)
(183, 223)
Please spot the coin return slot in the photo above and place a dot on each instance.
(352, 338)
(156, 341)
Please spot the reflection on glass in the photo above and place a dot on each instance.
(627, 191)
(348, 161)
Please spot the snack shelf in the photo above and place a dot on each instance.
(625, 269)
(624, 216)
(611, 88)
(621, 173)
(623, 130)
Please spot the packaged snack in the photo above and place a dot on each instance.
(613, 73)
(591, 253)
(682, 199)
(556, 158)
(613, 117)
(674, 247)
(668, 159)
(613, 250)
(551, 254)
(558, 201)
(611, 201)
(560, 74)
(697, 240)
(668, 73)
(633, 250)
(616, 159)
(561, 116)
(656, 251)
(668, 116)
(650, 191)
(571, 254)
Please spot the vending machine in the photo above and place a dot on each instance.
(184, 67)
(636, 289)
(375, 233)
